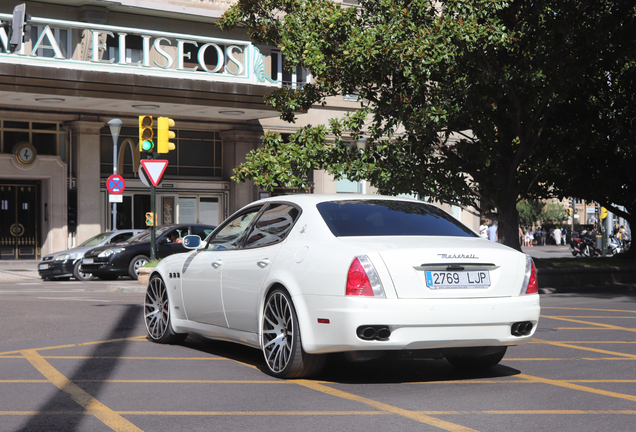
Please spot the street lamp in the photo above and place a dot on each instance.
(115, 127)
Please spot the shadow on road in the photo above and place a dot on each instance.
(338, 369)
(103, 361)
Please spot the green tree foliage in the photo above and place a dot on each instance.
(552, 214)
(455, 95)
(529, 211)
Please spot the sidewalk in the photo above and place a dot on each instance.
(19, 270)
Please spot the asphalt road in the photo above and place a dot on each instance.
(73, 357)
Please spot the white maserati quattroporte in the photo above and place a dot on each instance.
(302, 276)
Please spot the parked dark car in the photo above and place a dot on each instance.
(109, 262)
(65, 264)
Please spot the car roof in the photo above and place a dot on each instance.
(309, 199)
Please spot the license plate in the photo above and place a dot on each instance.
(43, 266)
(87, 261)
(458, 279)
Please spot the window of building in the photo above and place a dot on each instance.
(48, 138)
(197, 154)
(62, 39)
(294, 78)
(134, 49)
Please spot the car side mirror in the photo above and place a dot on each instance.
(192, 242)
(164, 240)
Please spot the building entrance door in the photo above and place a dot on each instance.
(19, 216)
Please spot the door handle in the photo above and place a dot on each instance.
(263, 263)
(217, 264)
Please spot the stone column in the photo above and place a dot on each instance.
(85, 145)
(236, 144)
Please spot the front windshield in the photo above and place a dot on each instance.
(97, 240)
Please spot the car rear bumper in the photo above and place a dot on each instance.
(56, 269)
(413, 324)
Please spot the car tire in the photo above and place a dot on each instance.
(476, 362)
(79, 275)
(281, 341)
(157, 314)
(134, 265)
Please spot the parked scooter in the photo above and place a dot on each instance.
(614, 246)
(584, 246)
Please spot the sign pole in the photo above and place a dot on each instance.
(153, 249)
(153, 235)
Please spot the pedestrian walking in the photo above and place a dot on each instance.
(492, 232)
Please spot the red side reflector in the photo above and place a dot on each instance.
(533, 283)
(323, 321)
(357, 281)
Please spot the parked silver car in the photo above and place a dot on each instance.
(65, 264)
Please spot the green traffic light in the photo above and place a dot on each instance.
(147, 145)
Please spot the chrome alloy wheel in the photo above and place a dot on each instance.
(156, 309)
(278, 332)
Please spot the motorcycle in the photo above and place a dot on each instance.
(584, 246)
(614, 246)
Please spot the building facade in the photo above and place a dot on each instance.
(86, 62)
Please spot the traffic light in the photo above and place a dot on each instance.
(145, 134)
(569, 211)
(150, 218)
(603, 212)
(164, 135)
(20, 30)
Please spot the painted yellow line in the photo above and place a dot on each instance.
(589, 309)
(580, 328)
(599, 342)
(133, 338)
(413, 415)
(572, 386)
(598, 317)
(572, 359)
(608, 326)
(88, 402)
(132, 358)
(113, 381)
(327, 413)
(254, 413)
(566, 345)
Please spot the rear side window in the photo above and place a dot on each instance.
(272, 226)
(371, 218)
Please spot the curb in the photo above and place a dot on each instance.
(584, 278)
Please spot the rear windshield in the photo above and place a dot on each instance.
(389, 218)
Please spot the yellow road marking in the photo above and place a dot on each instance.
(326, 413)
(608, 326)
(597, 342)
(88, 402)
(588, 309)
(413, 415)
(133, 358)
(566, 345)
(580, 328)
(598, 317)
(133, 338)
(572, 386)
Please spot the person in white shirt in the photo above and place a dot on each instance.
(483, 229)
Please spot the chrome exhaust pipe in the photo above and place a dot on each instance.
(523, 328)
(377, 332)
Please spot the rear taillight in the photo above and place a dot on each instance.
(362, 279)
(530, 282)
